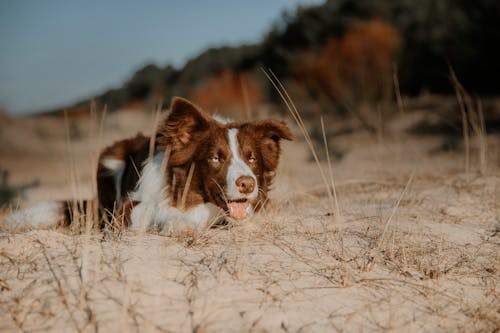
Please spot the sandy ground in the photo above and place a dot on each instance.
(414, 245)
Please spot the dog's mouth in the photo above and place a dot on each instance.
(237, 209)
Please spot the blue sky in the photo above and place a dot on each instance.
(54, 52)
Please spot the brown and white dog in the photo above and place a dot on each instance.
(197, 171)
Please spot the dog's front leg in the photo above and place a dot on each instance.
(166, 219)
(142, 216)
(196, 218)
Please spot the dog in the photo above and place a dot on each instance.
(197, 170)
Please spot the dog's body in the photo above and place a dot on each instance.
(196, 171)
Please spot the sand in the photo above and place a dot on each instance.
(413, 246)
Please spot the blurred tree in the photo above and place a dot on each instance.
(432, 34)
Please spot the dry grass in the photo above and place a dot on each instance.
(417, 249)
(471, 112)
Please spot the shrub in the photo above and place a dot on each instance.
(229, 90)
(356, 67)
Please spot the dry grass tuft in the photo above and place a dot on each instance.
(471, 111)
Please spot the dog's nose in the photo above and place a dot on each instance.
(245, 184)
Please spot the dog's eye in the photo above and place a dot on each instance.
(252, 159)
(215, 159)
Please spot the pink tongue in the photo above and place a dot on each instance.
(238, 210)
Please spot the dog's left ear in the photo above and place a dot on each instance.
(184, 120)
(269, 134)
(182, 129)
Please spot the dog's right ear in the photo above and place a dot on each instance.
(182, 124)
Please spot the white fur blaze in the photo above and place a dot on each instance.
(237, 168)
(41, 216)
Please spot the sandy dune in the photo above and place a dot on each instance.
(413, 247)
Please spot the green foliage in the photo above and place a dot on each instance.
(461, 33)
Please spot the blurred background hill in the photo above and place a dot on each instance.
(339, 54)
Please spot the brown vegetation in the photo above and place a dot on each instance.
(356, 67)
(228, 90)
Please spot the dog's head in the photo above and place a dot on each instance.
(229, 164)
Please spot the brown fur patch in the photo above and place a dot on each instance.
(132, 152)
